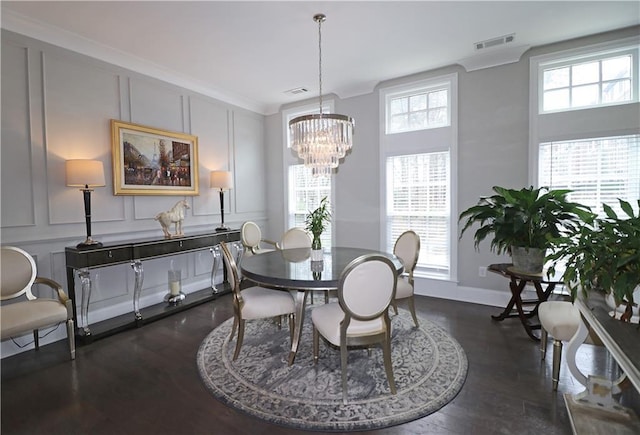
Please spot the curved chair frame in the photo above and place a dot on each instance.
(239, 302)
(409, 257)
(251, 238)
(349, 305)
(17, 286)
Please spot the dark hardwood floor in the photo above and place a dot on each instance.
(145, 381)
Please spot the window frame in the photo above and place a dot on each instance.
(424, 141)
(416, 88)
(597, 52)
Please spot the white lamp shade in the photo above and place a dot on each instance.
(82, 173)
(221, 180)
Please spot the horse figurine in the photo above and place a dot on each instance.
(174, 215)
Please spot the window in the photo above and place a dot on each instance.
(598, 170)
(418, 109)
(417, 157)
(595, 79)
(594, 153)
(304, 191)
(305, 194)
(418, 195)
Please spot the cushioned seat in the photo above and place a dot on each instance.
(18, 275)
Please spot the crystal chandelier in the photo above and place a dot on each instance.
(321, 140)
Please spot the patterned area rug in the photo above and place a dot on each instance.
(429, 367)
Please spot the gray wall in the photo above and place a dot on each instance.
(493, 149)
(57, 105)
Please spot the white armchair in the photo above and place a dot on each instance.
(17, 276)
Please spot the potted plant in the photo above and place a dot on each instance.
(524, 223)
(316, 222)
(604, 256)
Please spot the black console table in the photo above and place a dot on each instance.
(80, 261)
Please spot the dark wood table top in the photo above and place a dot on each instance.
(293, 268)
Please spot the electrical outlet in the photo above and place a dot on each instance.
(482, 271)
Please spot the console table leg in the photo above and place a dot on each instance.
(85, 281)
(137, 289)
(576, 341)
(215, 251)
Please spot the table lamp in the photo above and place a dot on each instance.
(222, 180)
(86, 174)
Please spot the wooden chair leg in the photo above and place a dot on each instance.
(557, 355)
(395, 306)
(316, 345)
(343, 366)
(36, 339)
(240, 338)
(388, 366)
(71, 336)
(412, 309)
(543, 343)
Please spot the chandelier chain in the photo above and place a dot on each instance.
(320, 60)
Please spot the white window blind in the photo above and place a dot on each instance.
(305, 194)
(418, 191)
(598, 170)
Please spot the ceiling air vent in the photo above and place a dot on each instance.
(296, 91)
(494, 42)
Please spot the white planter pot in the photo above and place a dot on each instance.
(316, 255)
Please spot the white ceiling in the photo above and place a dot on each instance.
(250, 53)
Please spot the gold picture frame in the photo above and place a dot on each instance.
(150, 161)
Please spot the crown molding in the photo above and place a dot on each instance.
(493, 57)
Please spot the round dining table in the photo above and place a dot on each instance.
(292, 270)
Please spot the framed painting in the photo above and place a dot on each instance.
(149, 161)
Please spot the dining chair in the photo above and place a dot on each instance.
(254, 302)
(18, 274)
(361, 316)
(407, 249)
(251, 238)
(294, 238)
(298, 238)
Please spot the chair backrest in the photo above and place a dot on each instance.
(295, 238)
(17, 273)
(250, 236)
(407, 248)
(232, 271)
(367, 287)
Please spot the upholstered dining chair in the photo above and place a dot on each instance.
(254, 302)
(560, 319)
(407, 249)
(297, 238)
(294, 238)
(18, 273)
(361, 316)
(252, 240)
